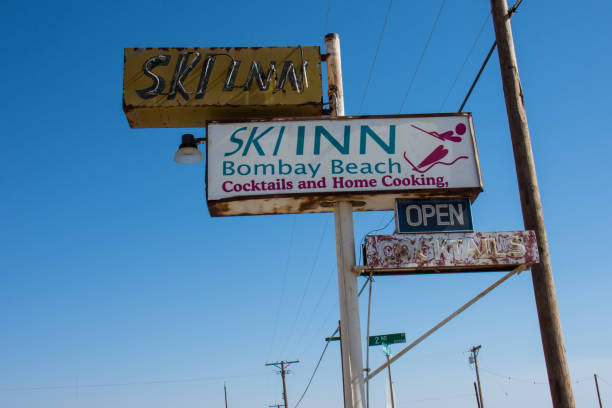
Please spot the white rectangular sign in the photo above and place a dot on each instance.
(302, 165)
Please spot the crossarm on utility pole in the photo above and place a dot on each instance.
(516, 270)
(282, 365)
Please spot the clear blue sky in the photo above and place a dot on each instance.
(117, 289)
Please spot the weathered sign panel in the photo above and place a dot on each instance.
(450, 252)
(185, 87)
(290, 166)
(433, 215)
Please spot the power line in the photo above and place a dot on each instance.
(282, 296)
(380, 39)
(422, 55)
(511, 11)
(329, 280)
(467, 57)
(316, 368)
(325, 349)
(313, 312)
(374, 230)
(307, 286)
(326, 17)
(508, 377)
(121, 384)
(482, 67)
(604, 380)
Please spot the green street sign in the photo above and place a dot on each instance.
(387, 339)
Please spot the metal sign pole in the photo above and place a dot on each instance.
(350, 335)
(533, 218)
(390, 382)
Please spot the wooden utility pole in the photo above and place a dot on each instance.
(225, 392)
(350, 332)
(476, 393)
(283, 372)
(597, 387)
(543, 284)
(474, 351)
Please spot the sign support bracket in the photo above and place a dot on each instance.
(482, 294)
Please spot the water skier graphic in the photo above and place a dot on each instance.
(436, 156)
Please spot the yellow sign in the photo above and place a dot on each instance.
(185, 87)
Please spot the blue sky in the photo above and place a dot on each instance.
(117, 289)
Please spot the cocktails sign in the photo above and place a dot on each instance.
(450, 252)
(304, 165)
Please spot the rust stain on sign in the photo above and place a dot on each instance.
(450, 252)
(185, 87)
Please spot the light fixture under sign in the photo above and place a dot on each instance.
(188, 152)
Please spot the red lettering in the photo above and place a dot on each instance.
(225, 188)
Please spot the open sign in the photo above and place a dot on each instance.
(431, 215)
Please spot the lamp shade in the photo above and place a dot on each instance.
(188, 152)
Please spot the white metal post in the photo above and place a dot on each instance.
(350, 331)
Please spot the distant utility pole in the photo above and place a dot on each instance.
(597, 387)
(225, 391)
(476, 393)
(474, 351)
(282, 365)
(533, 218)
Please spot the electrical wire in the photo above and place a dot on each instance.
(382, 228)
(307, 286)
(284, 282)
(467, 57)
(123, 384)
(380, 39)
(374, 230)
(484, 64)
(314, 310)
(508, 377)
(316, 368)
(454, 396)
(482, 67)
(312, 314)
(326, 18)
(422, 55)
(325, 349)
